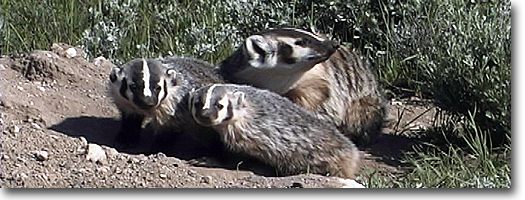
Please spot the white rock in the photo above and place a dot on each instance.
(99, 60)
(111, 153)
(40, 155)
(83, 141)
(95, 153)
(16, 129)
(71, 52)
(350, 183)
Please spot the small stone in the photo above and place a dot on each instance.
(16, 129)
(40, 155)
(192, 173)
(71, 52)
(83, 141)
(206, 179)
(161, 155)
(96, 154)
(133, 160)
(349, 183)
(103, 169)
(99, 60)
(35, 126)
(162, 176)
(111, 153)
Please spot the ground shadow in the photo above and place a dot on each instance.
(391, 148)
(98, 130)
(102, 131)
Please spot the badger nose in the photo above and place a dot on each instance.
(206, 113)
(150, 102)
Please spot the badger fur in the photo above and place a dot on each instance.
(315, 73)
(269, 127)
(156, 90)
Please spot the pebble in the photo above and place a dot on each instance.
(40, 155)
(350, 183)
(111, 153)
(95, 153)
(206, 179)
(16, 129)
(71, 52)
(35, 126)
(83, 141)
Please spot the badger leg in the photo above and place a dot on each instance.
(129, 133)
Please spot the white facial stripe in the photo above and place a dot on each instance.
(223, 113)
(208, 96)
(145, 78)
(308, 33)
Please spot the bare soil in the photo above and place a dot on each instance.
(54, 108)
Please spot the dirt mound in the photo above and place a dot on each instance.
(58, 128)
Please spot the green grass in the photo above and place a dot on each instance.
(453, 51)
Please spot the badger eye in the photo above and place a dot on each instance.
(219, 106)
(158, 88)
(301, 42)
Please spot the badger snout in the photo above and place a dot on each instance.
(204, 116)
(147, 103)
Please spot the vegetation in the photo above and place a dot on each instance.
(452, 51)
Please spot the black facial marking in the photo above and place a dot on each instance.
(165, 91)
(260, 51)
(302, 42)
(286, 52)
(113, 77)
(123, 88)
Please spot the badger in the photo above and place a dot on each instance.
(156, 90)
(314, 72)
(272, 129)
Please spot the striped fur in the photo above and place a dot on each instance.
(269, 127)
(339, 87)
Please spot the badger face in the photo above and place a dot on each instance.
(143, 83)
(287, 50)
(214, 105)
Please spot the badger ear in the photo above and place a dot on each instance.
(190, 98)
(258, 46)
(239, 98)
(172, 76)
(114, 74)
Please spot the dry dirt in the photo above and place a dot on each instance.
(54, 108)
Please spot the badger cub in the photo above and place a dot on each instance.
(156, 90)
(138, 89)
(266, 126)
(315, 73)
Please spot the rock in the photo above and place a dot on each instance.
(16, 129)
(350, 183)
(40, 155)
(206, 179)
(35, 126)
(96, 154)
(83, 141)
(71, 52)
(99, 60)
(111, 153)
(163, 176)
